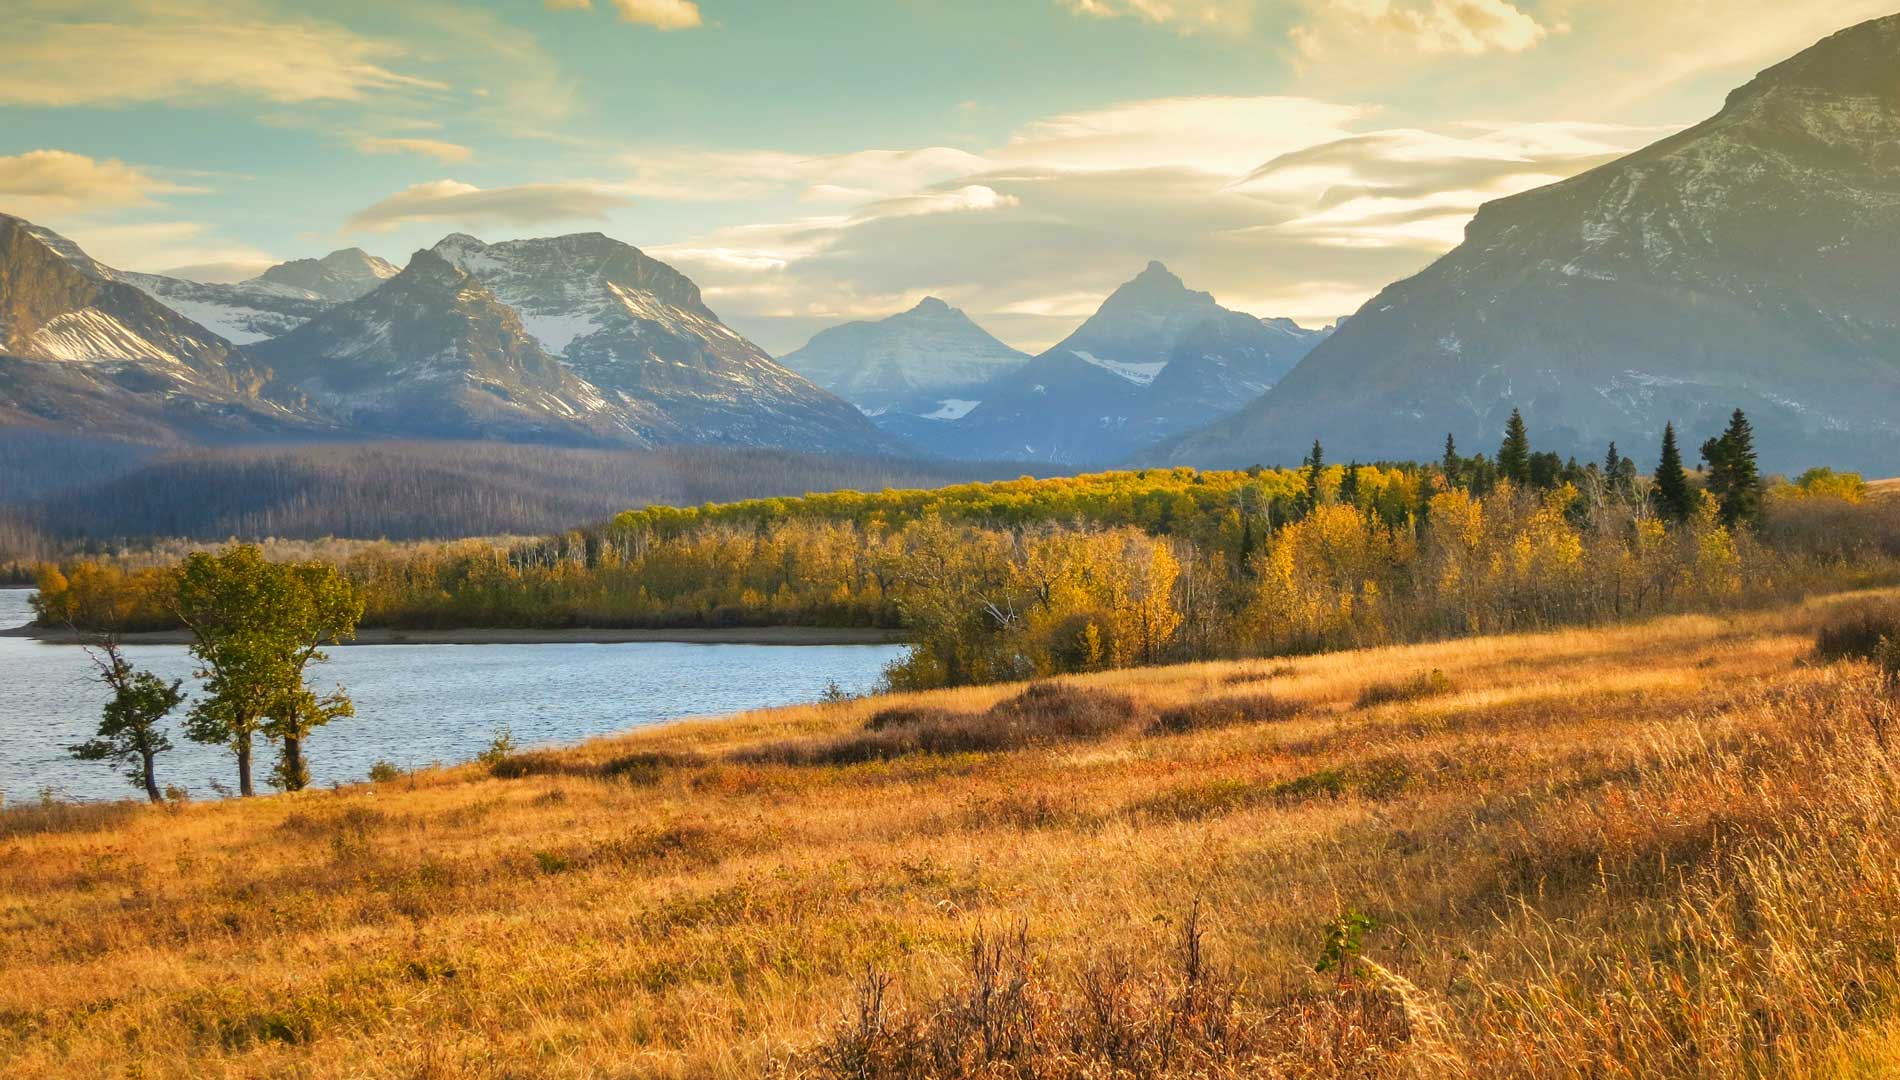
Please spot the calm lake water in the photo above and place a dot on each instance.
(415, 704)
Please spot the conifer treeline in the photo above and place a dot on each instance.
(1027, 577)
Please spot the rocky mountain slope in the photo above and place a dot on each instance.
(1748, 261)
(927, 360)
(638, 330)
(82, 351)
(594, 344)
(432, 352)
(1157, 359)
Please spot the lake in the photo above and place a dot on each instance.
(415, 704)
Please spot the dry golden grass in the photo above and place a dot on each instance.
(1670, 849)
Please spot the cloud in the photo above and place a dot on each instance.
(1279, 206)
(65, 55)
(1429, 27)
(465, 204)
(186, 248)
(42, 182)
(435, 148)
(659, 14)
(691, 175)
(1184, 16)
(1217, 134)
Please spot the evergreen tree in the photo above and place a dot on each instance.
(1451, 463)
(1315, 465)
(1672, 483)
(1349, 485)
(1514, 456)
(1546, 469)
(1734, 474)
(1612, 462)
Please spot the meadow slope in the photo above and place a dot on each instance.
(1664, 849)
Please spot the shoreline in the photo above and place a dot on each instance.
(736, 635)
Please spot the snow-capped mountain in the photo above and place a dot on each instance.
(1746, 262)
(1157, 359)
(928, 361)
(638, 330)
(84, 351)
(271, 304)
(340, 276)
(432, 352)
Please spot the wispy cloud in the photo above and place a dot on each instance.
(1184, 16)
(43, 182)
(659, 14)
(190, 249)
(1429, 27)
(453, 202)
(435, 148)
(97, 54)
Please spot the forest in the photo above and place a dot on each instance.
(1031, 577)
(60, 494)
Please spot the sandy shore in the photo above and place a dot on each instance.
(737, 635)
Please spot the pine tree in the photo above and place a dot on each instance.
(1514, 456)
(1612, 462)
(1315, 465)
(1349, 485)
(1734, 474)
(1451, 463)
(1672, 483)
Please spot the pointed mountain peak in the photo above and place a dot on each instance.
(456, 245)
(930, 305)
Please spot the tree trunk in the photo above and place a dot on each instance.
(151, 779)
(244, 767)
(293, 763)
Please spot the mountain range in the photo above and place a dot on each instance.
(926, 361)
(1747, 262)
(1155, 360)
(575, 340)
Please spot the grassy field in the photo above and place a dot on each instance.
(1668, 849)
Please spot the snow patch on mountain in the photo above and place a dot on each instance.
(1139, 374)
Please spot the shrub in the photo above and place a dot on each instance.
(383, 772)
(498, 749)
(1422, 685)
(1855, 631)
(1044, 714)
(1223, 712)
(639, 767)
(1176, 1018)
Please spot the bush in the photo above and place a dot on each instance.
(1422, 685)
(1223, 712)
(382, 772)
(1855, 632)
(1043, 714)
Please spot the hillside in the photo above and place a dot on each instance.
(1665, 850)
(422, 490)
(1741, 263)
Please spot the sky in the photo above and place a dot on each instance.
(811, 162)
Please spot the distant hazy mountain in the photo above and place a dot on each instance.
(637, 329)
(1157, 359)
(1749, 261)
(930, 359)
(81, 351)
(340, 276)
